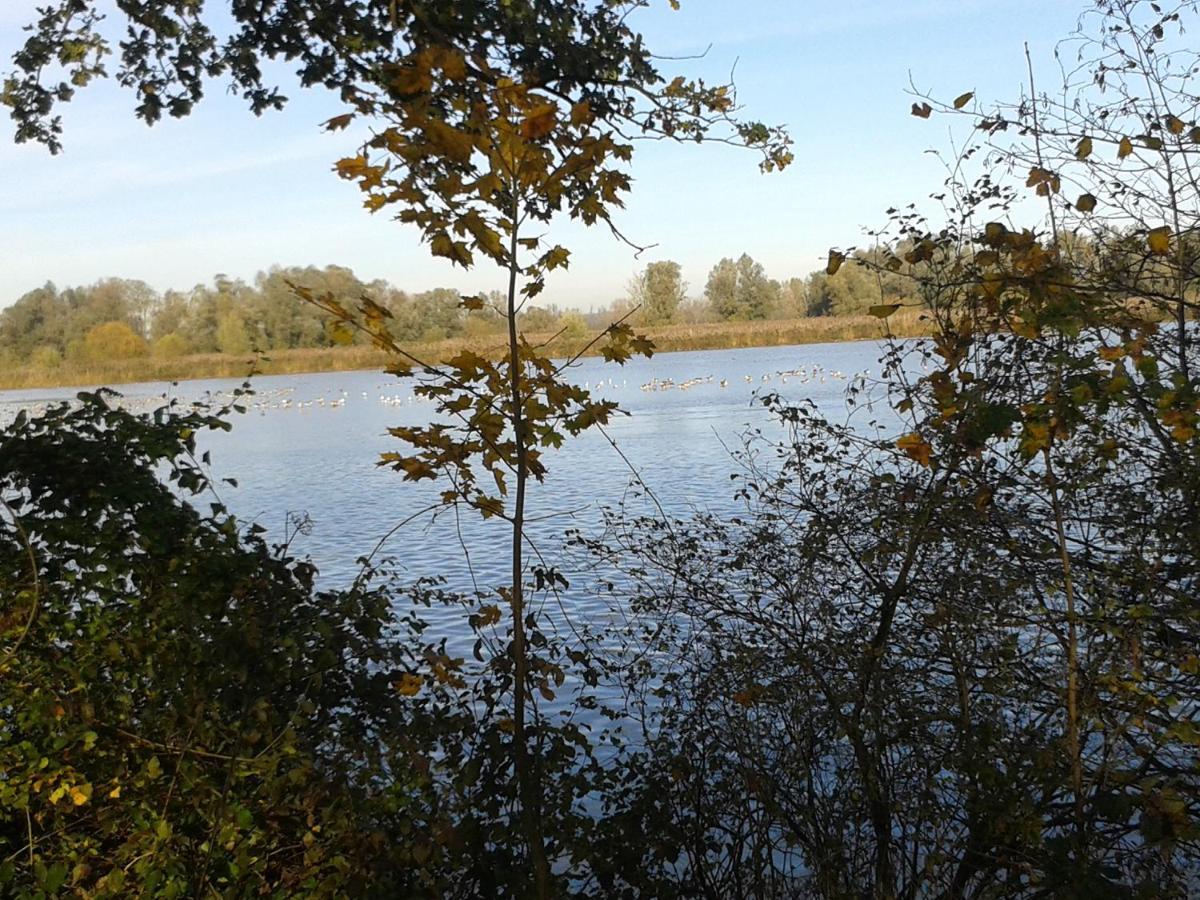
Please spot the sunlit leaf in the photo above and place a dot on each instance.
(1159, 240)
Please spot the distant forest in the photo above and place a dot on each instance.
(125, 319)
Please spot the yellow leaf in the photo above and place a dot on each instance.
(1159, 240)
(453, 64)
(1086, 203)
(557, 258)
(539, 121)
(915, 447)
(883, 310)
(1124, 148)
(1183, 433)
(455, 144)
(409, 685)
(488, 615)
(835, 262)
(415, 79)
(581, 113)
(921, 111)
(351, 167)
(475, 302)
(1194, 135)
(1084, 148)
(963, 99)
(81, 794)
(1174, 125)
(114, 793)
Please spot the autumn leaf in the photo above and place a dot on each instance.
(1084, 149)
(556, 258)
(921, 111)
(408, 685)
(1174, 125)
(1159, 240)
(883, 310)
(539, 121)
(994, 232)
(915, 447)
(1086, 203)
(472, 303)
(337, 123)
(835, 262)
(1124, 148)
(581, 113)
(963, 99)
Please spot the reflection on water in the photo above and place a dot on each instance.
(309, 443)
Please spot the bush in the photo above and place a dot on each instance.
(112, 340)
(45, 358)
(171, 346)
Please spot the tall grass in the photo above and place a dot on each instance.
(667, 338)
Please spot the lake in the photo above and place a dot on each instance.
(308, 445)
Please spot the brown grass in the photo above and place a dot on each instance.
(667, 338)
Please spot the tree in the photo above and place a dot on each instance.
(741, 289)
(170, 346)
(477, 152)
(951, 653)
(487, 124)
(112, 340)
(231, 335)
(658, 290)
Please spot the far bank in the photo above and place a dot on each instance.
(667, 338)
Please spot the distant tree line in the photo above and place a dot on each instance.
(741, 290)
(118, 318)
(122, 319)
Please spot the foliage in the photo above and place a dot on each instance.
(112, 340)
(170, 346)
(657, 292)
(181, 711)
(950, 650)
(45, 358)
(186, 714)
(741, 290)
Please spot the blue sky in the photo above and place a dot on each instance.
(224, 192)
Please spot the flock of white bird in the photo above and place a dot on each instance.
(816, 373)
(285, 398)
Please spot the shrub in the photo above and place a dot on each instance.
(171, 346)
(112, 340)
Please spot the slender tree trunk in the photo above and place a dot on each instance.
(530, 794)
(1074, 743)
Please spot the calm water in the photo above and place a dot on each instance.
(309, 443)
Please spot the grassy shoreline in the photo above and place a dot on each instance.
(667, 339)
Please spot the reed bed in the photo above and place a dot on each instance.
(667, 338)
